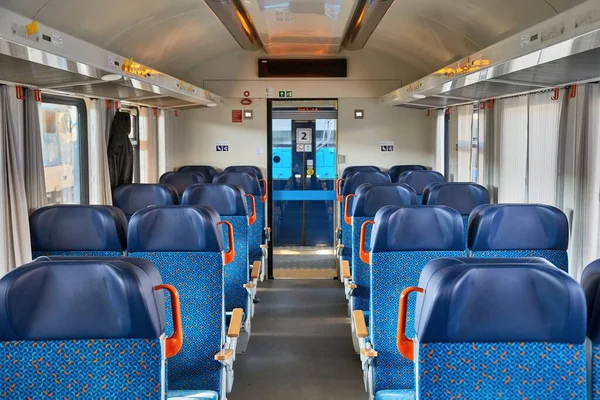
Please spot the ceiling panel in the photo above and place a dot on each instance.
(29, 73)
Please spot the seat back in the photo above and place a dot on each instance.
(93, 329)
(520, 230)
(252, 169)
(463, 197)
(208, 171)
(350, 185)
(370, 199)
(419, 180)
(590, 280)
(427, 190)
(186, 245)
(359, 168)
(78, 230)
(397, 170)
(182, 180)
(404, 240)
(250, 183)
(512, 329)
(230, 203)
(135, 197)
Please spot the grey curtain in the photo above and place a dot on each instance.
(15, 244)
(35, 181)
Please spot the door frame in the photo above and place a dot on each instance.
(269, 176)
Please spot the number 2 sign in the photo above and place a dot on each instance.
(304, 135)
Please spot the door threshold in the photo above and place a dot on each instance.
(281, 273)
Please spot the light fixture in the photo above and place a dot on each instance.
(211, 104)
(418, 96)
(111, 77)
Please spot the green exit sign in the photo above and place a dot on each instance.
(282, 93)
(288, 94)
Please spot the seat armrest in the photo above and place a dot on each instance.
(360, 325)
(346, 270)
(235, 325)
(255, 272)
(224, 355)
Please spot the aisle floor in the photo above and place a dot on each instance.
(301, 347)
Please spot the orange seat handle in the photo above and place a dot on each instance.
(252, 218)
(266, 192)
(338, 190)
(405, 345)
(347, 216)
(365, 256)
(229, 254)
(173, 343)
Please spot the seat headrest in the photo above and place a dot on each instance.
(80, 299)
(370, 198)
(353, 181)
(397, 170)
(251, 169)
(78, 228)
(248, 182)
(499, 300)
(463, 197)
(518, 227)
(417, 228)
(590, 280)
(182, 180)
(132, 198)
(359, 168)
(427, 190)
(175, 228)
(208, 171)
(227, 200)
(418, 180)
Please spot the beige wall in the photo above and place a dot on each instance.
(371, 75)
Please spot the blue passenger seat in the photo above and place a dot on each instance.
(250, 183)
(463, 197)
(350, 185)
(403, 241)
(510, 329)
(78, 230)
(419, 180)
(182, 180)
(94, 329)
(208, 171)
(520, 230)
(398, 170)
(186, 244)
(135, 197)
(230, 202)
(590, 280)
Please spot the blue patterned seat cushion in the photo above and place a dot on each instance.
(395, 395)
(595, 373)
(83, 369)
(347, 237)
(198, 277)
(80, 253)
(192, 394)
(391, 273)
(236, 272)
(256, 231)
(361, 274)
(501, 370)
(557, 257)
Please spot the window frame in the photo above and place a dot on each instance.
(84, 179)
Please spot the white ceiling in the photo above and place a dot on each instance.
(176, 36)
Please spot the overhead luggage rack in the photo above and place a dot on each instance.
(557, 52)
(32, 54)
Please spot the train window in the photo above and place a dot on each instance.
(64, 144)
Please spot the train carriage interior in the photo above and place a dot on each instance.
(300, 199)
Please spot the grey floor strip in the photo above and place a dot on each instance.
(301, 347)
